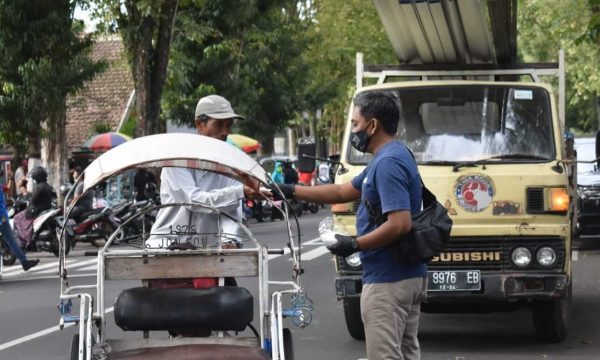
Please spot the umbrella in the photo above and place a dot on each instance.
(105, 141)
(245, 143)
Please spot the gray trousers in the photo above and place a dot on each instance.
(390, 312)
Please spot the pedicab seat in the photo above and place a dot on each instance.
(218, 308)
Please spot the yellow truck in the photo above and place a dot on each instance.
(489, 142)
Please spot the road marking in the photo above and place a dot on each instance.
(40, 333)
(315, 253)
(575, 255)
(18, 270)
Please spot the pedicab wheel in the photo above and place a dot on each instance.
(75, 348)
(354, 323)
(288, 344)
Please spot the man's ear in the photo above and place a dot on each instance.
(375, 126)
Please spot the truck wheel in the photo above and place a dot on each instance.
(288, 344)
(354, 323)
(551, 318)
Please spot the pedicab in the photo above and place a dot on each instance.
(225, 312)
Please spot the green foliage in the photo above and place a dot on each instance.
(248, 51)
(101, 128)
(341, 29)
(129, 126)
(545, 26)
(44, 59)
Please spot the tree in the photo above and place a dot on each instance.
(146, 27)
(249, 52)
(45, 59)
(342, 28)
(545, 26)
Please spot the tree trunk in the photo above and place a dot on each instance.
(55, 152)
(150, 58)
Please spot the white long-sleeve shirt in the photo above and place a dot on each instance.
(195, 224)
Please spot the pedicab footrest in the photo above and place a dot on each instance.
(218, 308)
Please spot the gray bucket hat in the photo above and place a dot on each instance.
(216, 107)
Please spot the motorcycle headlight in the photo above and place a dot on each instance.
(546, 256)
(521, 256)
(353, 260)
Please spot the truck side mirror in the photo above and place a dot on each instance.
(306, 155)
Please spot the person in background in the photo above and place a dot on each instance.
(141, 178)
(85, 203)
(9, 237)
(390, 301)
(277, 174)
(323, 172)
(43, 194)
(21, 172)
(290, 176)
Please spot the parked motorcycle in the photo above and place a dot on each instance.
(94, 226)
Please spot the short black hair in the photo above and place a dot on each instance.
(380, 105)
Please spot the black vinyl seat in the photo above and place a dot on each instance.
(219, 308)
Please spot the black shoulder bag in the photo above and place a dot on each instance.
(428, 236)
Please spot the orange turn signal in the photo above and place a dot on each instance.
(558, 200)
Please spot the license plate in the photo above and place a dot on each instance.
(459, 280)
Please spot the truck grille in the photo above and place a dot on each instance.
(493, 253)
(535, 200)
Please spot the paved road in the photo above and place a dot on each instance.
(28, 315)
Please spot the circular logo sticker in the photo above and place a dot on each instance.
(474, 193)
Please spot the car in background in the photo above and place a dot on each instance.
(588, 188)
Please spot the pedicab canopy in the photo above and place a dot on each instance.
(175, 150)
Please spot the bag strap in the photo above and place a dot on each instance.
(427, 198)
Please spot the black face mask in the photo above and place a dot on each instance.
(360, 140)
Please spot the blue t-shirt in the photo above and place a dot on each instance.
(390, 182)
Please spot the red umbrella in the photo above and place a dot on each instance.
(104, 142)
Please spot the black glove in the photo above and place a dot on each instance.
(345, 245)
(288, 190)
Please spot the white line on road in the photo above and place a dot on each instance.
(40, 334)
(575, 255)
(18, 270)
(315, 253)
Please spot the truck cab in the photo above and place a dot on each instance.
(493, 153)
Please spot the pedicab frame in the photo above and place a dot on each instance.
(194, 152)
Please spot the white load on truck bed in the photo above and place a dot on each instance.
(450, 31)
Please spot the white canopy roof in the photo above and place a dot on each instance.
(174, 150)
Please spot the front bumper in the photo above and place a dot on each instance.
(495, 287)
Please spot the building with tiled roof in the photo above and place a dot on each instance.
(105, 99)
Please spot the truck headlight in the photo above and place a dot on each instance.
(521, 256)
(546, 256)
(353, 260)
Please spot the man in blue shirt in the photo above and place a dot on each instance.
(9, 238)
(392, 293)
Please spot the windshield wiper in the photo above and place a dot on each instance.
(515, 156)
(455, 164)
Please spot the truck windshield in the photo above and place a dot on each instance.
(473, 123)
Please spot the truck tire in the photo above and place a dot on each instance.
(354, 322)
(551, 318)
(288, 344)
